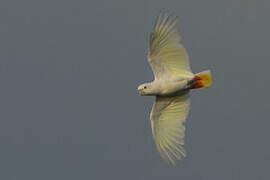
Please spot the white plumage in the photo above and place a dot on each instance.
(173, 80)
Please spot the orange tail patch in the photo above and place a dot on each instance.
(202, 80)
(197, 83)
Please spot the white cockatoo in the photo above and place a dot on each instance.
(173, 81)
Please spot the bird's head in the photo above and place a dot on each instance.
(145, 89)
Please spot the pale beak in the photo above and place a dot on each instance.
(140, 90)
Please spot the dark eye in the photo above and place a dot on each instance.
(144, 87)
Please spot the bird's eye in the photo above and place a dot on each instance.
(144, 87)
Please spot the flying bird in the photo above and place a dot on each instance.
(173, 80)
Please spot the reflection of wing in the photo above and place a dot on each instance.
(166, 55)
(167, 117)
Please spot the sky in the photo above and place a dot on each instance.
(69, 106)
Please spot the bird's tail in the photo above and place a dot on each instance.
(202, 80)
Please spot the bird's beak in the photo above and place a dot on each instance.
(140, 90)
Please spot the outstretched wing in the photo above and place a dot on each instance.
(166, 56)
(167, 121)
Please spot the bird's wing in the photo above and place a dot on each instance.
(166, 56)
(167, 121)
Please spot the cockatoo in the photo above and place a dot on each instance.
(171, 86)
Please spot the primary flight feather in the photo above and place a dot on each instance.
(173, 81)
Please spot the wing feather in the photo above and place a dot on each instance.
(167, 121)
(166, 56)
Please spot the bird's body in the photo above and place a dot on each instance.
(171, 86)
(168, 86)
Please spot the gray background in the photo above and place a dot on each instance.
(69, 108)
